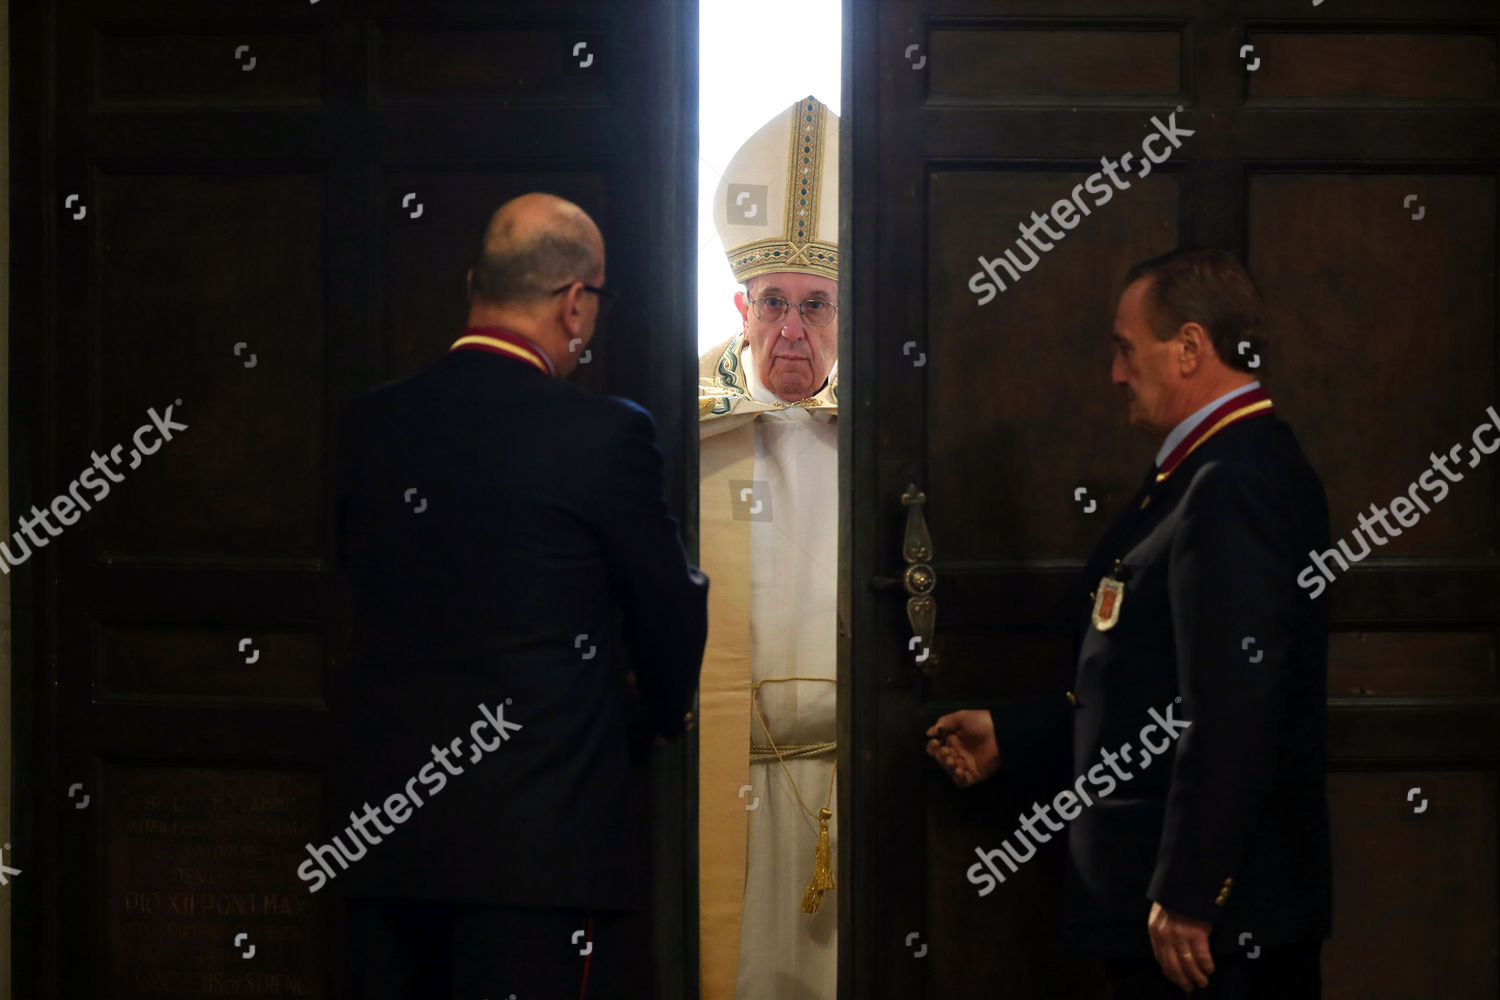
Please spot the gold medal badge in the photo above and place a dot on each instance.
(1107, 601)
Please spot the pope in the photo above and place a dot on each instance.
(768, 530)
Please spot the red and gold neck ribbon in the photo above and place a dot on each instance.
(498, 340)
(1249, 404)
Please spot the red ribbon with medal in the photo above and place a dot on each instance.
(1111, 592)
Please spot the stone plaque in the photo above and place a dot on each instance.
(203, 896)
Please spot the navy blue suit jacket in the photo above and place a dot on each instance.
(1226, 821)
(508, 548)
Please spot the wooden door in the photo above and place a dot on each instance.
(249, 214)
(1350, 158)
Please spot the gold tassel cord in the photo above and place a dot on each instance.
(822, 876)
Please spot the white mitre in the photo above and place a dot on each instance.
(776, 210)
(777, 206)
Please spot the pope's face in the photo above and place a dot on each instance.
(791, 358)
(1143, 365)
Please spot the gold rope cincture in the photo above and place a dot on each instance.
(791, 751)
(822, 876)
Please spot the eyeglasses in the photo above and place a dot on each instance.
(814, 312)
(606, 297)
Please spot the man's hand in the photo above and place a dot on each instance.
(1181, 946)
(963, 742)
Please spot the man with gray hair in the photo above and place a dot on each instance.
(1209, 872)
(508, 546)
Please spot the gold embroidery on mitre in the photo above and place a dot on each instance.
(798, 247)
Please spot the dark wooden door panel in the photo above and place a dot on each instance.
(250, 214)
(1352, 163)
(210, 301)
(1412, 849)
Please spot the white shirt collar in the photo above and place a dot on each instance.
(758, 390)
(1189, 425)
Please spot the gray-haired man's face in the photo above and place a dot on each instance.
(791, 358)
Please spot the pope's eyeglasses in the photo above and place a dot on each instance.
(814, 312)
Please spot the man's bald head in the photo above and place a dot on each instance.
(533, 244)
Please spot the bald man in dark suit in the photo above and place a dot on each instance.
(509, 549)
